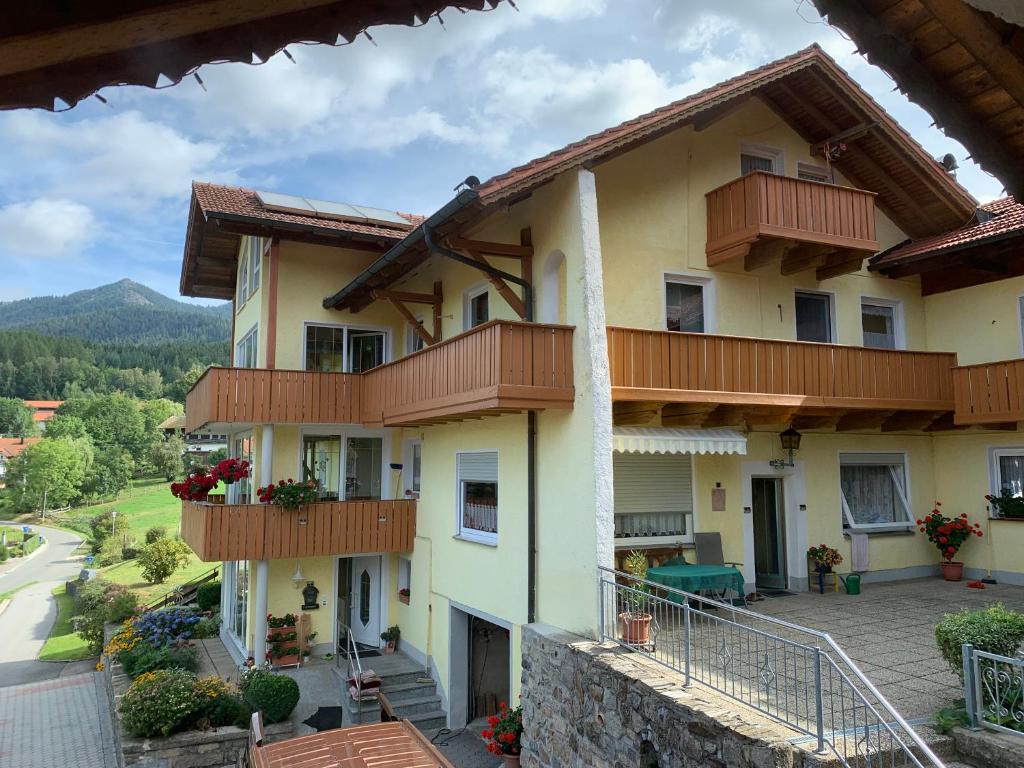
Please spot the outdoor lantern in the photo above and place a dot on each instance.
(790, 440)
(297, 577)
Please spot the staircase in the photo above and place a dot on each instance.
(411, 694)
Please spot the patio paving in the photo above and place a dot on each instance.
(889, 631)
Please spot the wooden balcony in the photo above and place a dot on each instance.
(989, 393)
(238, 396)
(765, 218)
(498, 367)
(219, 532)
(696, 379)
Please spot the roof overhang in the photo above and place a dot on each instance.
(963, 65)
(65, 50)
(670, 440)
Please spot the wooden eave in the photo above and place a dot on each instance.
(58, 50)
(963, 65)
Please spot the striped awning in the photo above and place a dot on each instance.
(670, 440)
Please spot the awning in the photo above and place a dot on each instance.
(669, 440)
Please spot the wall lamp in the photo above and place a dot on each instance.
(790, 440)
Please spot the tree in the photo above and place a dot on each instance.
(107, 525)
(114, 420)
(178, 388)
(156, 411)
(54, 468)
(162, 558)
(166, 456)
(109, 474)
(65, 425)
(15, 418)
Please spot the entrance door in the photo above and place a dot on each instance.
(769, 533)
(365, 601)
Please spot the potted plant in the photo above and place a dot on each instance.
(1006, 505)
(825, 559)
(390, 637)
(403, 595)
(636, 620)
(282, 640)
(195, 487)
(288, 494)
(948, 534)
(308, 647)
(230, 471)
(504, 734)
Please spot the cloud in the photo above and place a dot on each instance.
(46, 228)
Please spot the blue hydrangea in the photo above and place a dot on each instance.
(171, 625)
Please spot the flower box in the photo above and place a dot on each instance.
(283, 644)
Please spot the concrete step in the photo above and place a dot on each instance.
(429, 721)
(397, 693)
(415, 706)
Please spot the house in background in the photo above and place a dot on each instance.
(198, 446)
(597, 352)
(43, 411)
(9, 448)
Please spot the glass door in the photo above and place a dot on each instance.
(363, 468)
(321, 461)
(769, 533)
(365, 350)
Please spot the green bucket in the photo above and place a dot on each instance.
(852, 584)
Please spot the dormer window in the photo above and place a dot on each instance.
(756, 157)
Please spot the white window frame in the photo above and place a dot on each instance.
(467, 304)
(765, 151)
(343, 432)
(632, 542)
(824, 173)
(471, 534)
(242, 290)
(256, 251)
(346, 327)
(994, 454)
(404, 575)
(408, 450)
(412, 338)
(833, 325)
(899, 326)
(709, 298)
(871, 459)
(253, 334)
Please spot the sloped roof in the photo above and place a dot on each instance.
(220, 215)
(12, 446)
(45, 405)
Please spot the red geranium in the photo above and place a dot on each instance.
(948, 534)
(195, 487)
(230, 471)
(505, 733)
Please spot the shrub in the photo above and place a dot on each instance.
(92, 601)
(121, 606)
(162, 558)
(110, 552)
(156, 533)
(273, 695)
(3, 553)
(995, 629)
(220, 703)
(159, 703)
(106, 525)
(171, 625)
(145, 658)
(208, 596)
(206, 628)
(130, 552)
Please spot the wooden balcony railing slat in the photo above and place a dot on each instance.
(989, 393)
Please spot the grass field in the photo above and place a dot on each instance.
(64, 644)
(147, 503)
(129, 574)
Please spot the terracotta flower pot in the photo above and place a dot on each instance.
(636, 628)
(952, 570)
(510, 761)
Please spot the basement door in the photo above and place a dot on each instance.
(365, 601)
(769, 533)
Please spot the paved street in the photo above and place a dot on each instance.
(26, 622)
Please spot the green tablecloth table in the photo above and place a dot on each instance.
(695, 578)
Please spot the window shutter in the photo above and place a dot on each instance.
(478, 467)
(653, 482)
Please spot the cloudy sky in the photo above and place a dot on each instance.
(101, 192)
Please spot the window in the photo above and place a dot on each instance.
(477, 478)
(476, 307)
(1007, 467)
(814, 317)
(321, 461)
(685, 305)
(754, 157)
(413, 341)
(240, 601)
(412, 464)
(874, 491)
(241, 492)
(243, 279)
(246, 350)
(404, 578)
(364, 457)
(814, 173)
(882, 323)
(343, 349)
(255, 261)
(653, 498)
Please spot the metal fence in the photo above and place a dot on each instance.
(994, 691)
(794, 675)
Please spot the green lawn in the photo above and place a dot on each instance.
(64, 644)
(129, 574)
(147, 503)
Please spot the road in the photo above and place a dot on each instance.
(26, 622)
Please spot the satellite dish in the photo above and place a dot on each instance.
(471, 181)
(949, 162)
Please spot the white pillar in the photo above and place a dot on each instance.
(259, 640)
(267, 456)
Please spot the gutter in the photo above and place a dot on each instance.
(925, 255)
(291, 226)
(462, 200)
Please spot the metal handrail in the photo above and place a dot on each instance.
(355, 665)
(685, 599)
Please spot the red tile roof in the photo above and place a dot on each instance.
(12, 446)
(45, 405)
(237, 201)
(1008, 218)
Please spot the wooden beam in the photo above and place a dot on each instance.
(505, 250)
(726, 416)
(765, 252)
(438, 303)
(410, 298)
(902, 421)
(634, 413)
(417, 326)
(845, 263)
(862, 420)
(770, 417)
(848, 135)
(501, 286)
(817, 420)
(804, 257)
(685, 414)
(945, 423)
(526, 264)
(273, 263)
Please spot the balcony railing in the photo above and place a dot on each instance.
(766, 205)
(695, 367)
(497, 367)
(989, 393)
(265, 532)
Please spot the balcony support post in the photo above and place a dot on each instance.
(267, 455)
(259, 596)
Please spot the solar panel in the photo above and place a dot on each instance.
(330, 210)
(288, 203)
(380, 216)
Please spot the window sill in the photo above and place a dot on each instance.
(654, 541)
(870, 533)
(1008, 519)
(477, 540)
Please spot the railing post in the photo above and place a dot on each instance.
(600, 606)
(686, 642)
(819, 710)
(967, 659)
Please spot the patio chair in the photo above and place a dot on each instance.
(709, 552)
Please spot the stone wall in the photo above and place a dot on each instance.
(196, 749)
(597, 706)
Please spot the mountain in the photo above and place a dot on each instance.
(121, 312)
